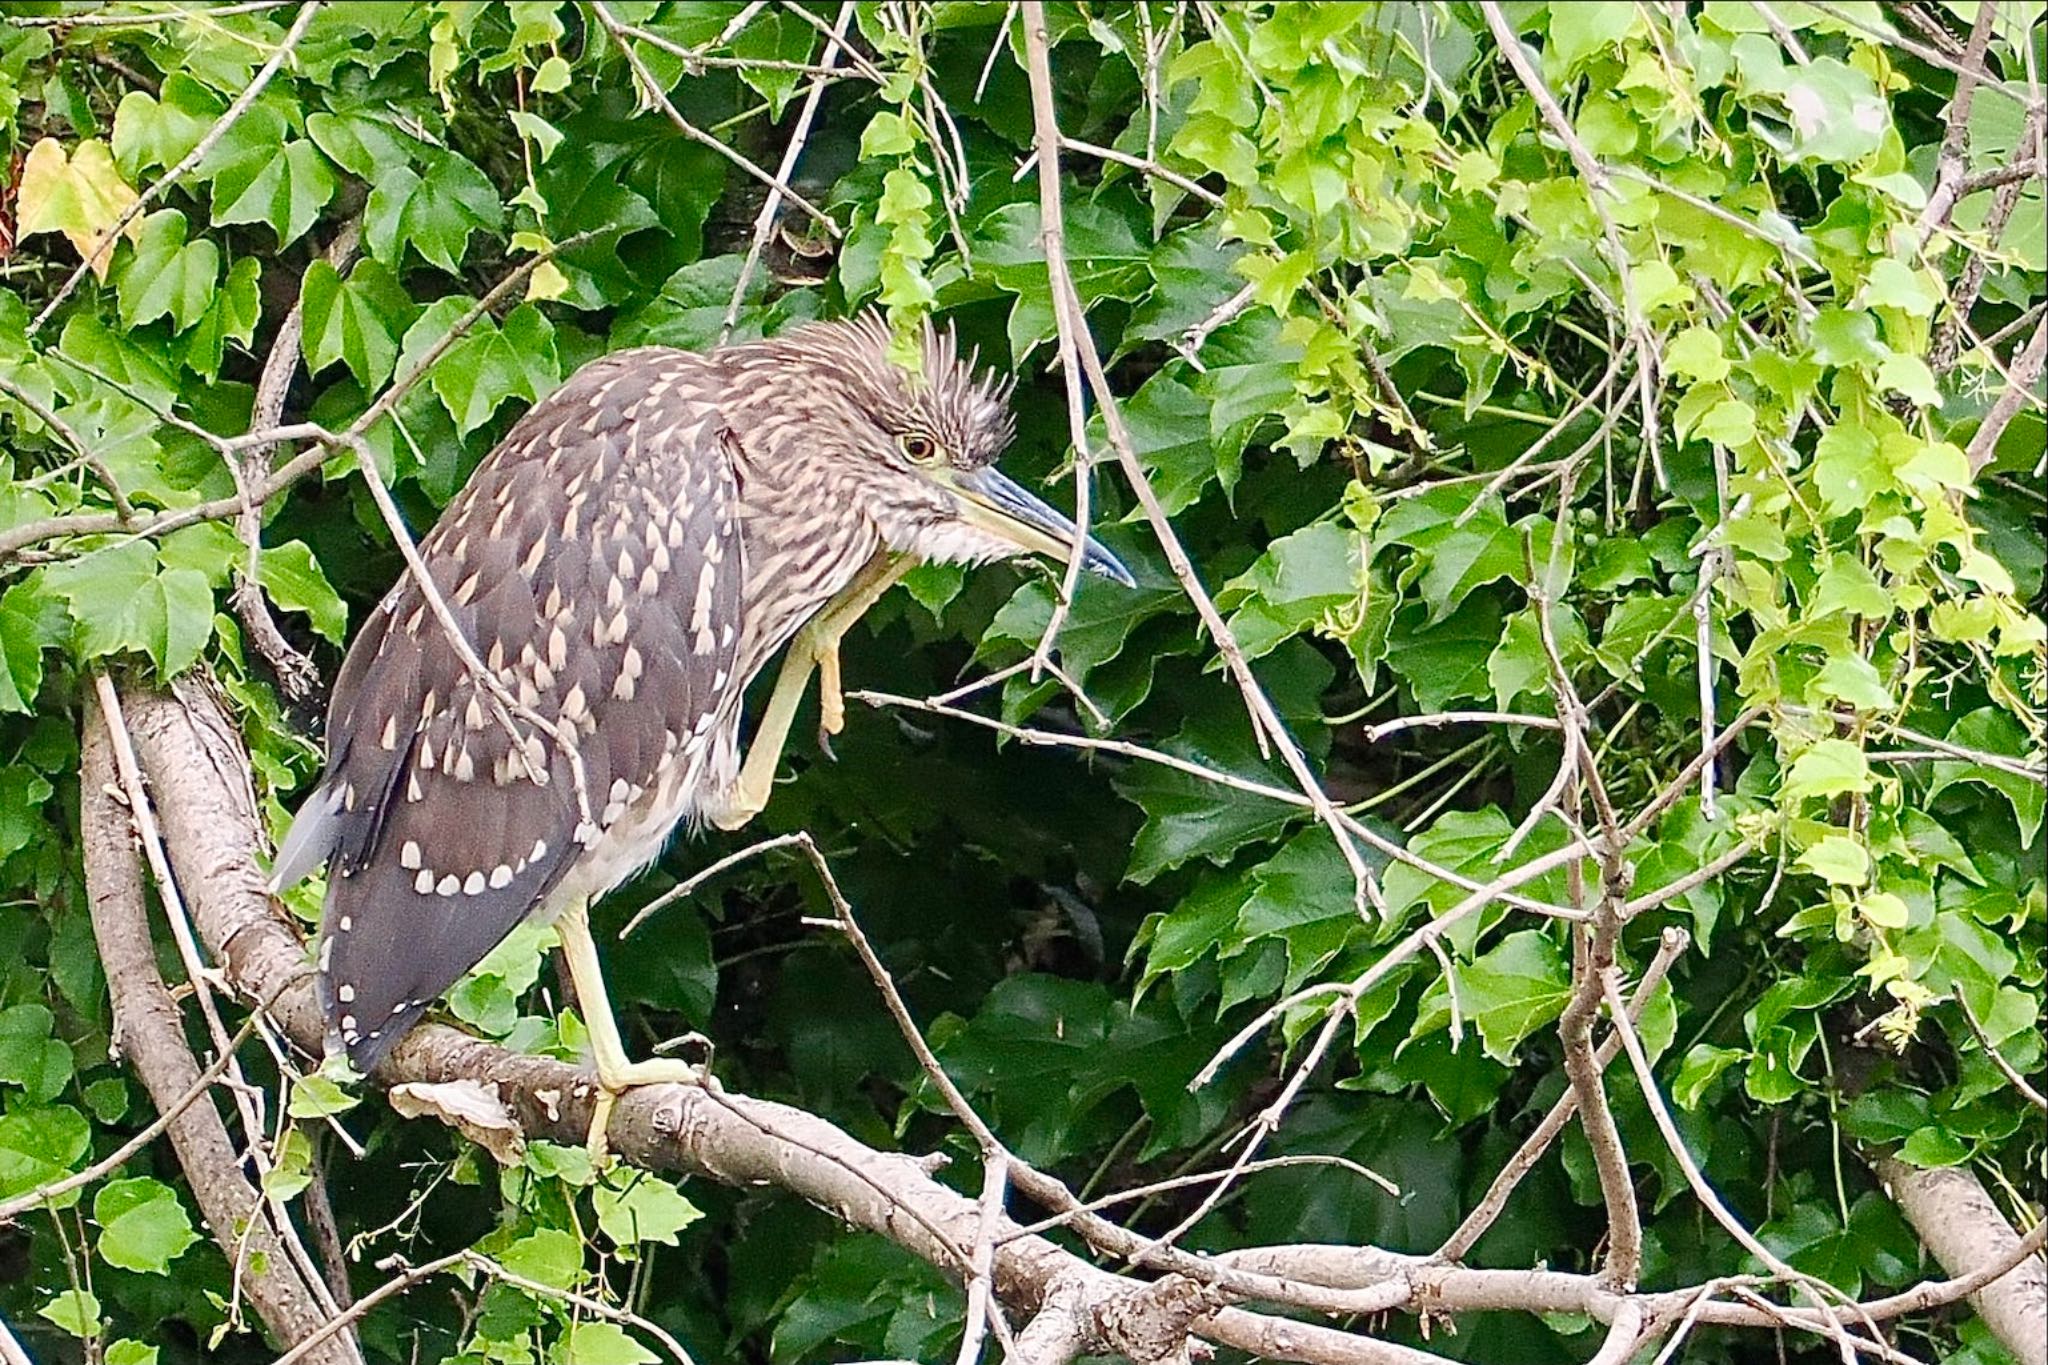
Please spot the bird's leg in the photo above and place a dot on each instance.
(615, 1074)
(815, 646)
(829, 626)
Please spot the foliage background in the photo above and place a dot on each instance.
(1371, 286)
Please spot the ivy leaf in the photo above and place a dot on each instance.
(81, 195)
(598, 1343)
(232, 313)
(1853, 679)
(1831, 767)
(1703, 1064)
(39, 1145)
(493, 364)
(294, 580)
(30, 1056)
(143, 1226)
(285, 188)
(120, 602)
(360, 142)
(76, 1311)
(1303, 581)
(434, 215)
(1460, 545)
(358, 321)
(1513, 989)
(1838, 860)
(1989, 729)
(161, 130)
(547, 1256)
(635, 1206)
(167, 276)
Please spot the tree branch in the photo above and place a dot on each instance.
(1957, 1221)
(150, 1032)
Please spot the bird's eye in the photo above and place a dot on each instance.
(920, 449)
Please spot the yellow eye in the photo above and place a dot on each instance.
(920, 449)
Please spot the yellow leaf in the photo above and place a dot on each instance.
(546, 282)
(81, 196)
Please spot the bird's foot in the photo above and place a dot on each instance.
(831, 696)
(613, 1082)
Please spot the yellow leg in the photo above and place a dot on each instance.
(815, 646)
(615, 1074)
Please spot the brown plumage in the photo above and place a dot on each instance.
(637, 548)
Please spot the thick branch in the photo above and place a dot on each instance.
(1958, 1222)
(201, 781)
(150, 1032)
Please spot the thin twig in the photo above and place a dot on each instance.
(124, 511)
(2005, 1068)
(1670, 947)
(652, 87)
(120, 1156)
(764, 222)
(1267, 727)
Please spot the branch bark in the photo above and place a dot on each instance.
(207, 809)
(1957, 1221)
(150, 1032)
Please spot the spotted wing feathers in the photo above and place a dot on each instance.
(572, 563)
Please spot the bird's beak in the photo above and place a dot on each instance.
(998, 504)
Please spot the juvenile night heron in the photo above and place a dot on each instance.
(634, 552)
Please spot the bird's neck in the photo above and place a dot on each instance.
(804, 540)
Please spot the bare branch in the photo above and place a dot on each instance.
(152, 1038)
(1957, 1220)
(660, 99)
(2026, 371)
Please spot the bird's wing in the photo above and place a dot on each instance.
(593, 564)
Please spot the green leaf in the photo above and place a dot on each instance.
(1934, 1146)
(30, 1056)
(317, 1096)
(76, 1311)
(165, 276)
(599, 1343)
(491, 365)
(143, 1226)
(1515, 988)
(547, 1256)
(1837, 859)
(1578, 31)
(162, 130)
(1854, 679)
(1703, 1064)
(1830, 768)
(120, 602)
(1460, 545)
(358, 321)
(1695, 354)
(131, 1352)
(294, 580)
(1307, 580)
(1847, 586)
(434, 215)
(360, 142)
(231, 315)
(285, 188)
(638, 1207)
(39, 1145)
(1989, 729)
(22, 793)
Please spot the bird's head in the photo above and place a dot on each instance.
(916, 450)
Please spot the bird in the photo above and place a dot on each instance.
(527, 736)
